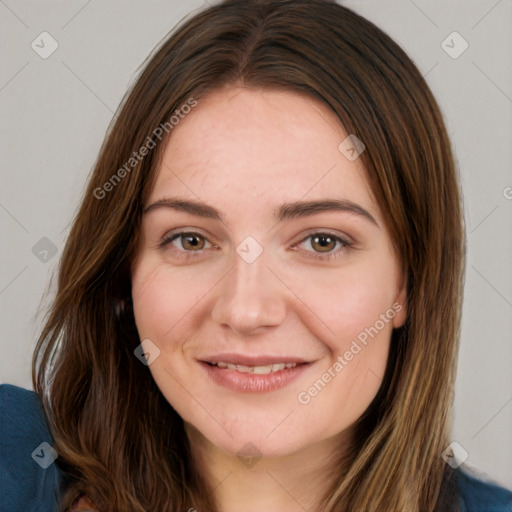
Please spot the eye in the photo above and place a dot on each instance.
(323, 244)
(185, 243)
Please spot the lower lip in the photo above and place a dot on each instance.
(253, 383)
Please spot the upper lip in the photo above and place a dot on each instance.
(249, 360)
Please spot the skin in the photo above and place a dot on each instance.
(246, 152)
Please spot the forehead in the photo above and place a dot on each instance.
(262, 146)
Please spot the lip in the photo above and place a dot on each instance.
(250, 382)
(250, 360)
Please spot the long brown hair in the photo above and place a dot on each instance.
(118, 439)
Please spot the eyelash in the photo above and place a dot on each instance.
(184, 254)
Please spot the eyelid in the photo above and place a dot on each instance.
(328, 231)
(169, 237)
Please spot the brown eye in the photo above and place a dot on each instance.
(185, 242)
(192, 242)
(323, 242)
(324, 246)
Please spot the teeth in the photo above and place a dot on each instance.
(258, 370)
(263, 370)
(243, 369)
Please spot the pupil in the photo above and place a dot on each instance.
(192, 241)
(325, 242)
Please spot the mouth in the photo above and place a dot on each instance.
(253, 374)
(258, 370)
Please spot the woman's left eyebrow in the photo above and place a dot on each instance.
(284, 212)
(307, 208)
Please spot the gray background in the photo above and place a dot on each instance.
(55, 112)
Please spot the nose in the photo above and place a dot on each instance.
(250, 297)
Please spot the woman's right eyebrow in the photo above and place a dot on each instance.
(286, 211)
(188, 206)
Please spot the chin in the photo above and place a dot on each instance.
(250, 438)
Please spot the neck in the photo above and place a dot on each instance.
(290, 483)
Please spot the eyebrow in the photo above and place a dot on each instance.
(286, 211)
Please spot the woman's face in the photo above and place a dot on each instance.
(265, 279)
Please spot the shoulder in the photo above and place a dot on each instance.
(478, 495)
(18, 399)
(30, 479)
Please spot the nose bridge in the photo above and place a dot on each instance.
(250, 296)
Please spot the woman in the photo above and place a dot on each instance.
(259, 300)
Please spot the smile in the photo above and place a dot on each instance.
(253, 374)
(258, 370)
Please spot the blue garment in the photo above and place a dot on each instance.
(30, 480)
(478, 496)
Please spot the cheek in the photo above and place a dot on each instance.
(342, 304)
(348, 380)
(356, 312)
(163, 301)
(165, 305)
